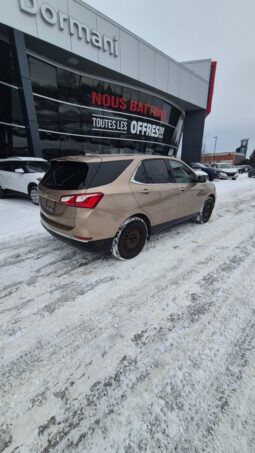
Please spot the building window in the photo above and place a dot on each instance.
(47, 114)
(10, 105)
(8, 66)
(44, 78)
(101, 116)
(13, 141)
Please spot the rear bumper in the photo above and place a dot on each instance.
(98, 245)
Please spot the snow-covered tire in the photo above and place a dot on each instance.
(33, 194)
(130, 239)
(206, 211)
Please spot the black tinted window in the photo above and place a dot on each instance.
(79, 175)
(35, 167)
(8, 70)
(44, 77)
(13, 141)
(6, 166)
(141, 174)
(70, 175)
(181, 173)
(109, 171)
(153, 172)
(10, 105)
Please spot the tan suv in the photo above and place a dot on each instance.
(115, 202)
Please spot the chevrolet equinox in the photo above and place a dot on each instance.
(115, 202)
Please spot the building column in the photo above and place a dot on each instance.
(193, 132)
(27, 95)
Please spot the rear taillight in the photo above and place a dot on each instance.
(89, 200)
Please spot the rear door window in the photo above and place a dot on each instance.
(152, 171)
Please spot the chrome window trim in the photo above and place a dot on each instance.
(12, 125)
(106, 138)
(101, 110)
(9, 85)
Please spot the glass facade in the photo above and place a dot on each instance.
(13, 133)
(77, 113)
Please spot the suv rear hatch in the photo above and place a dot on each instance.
(65, 177)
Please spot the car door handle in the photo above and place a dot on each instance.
(145, 191)
(182, 189)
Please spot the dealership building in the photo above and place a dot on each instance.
(73, 81)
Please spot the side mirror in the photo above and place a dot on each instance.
(201, 178)
(19, 170)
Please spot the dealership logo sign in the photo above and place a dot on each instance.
(76, 28)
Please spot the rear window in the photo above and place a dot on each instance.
(35, 166)
(80, 175)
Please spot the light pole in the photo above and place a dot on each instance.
(205, 142)
(215, 144)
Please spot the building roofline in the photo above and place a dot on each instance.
(116, 24)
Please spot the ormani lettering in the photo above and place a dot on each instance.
(76, 28)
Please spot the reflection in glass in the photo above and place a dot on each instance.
(13, 141)
(10, 105)
(47, 113)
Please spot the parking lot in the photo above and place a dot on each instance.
(151, 354)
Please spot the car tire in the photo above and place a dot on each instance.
(206, 211)
(130, 239)
(2, 192)
(33, 194)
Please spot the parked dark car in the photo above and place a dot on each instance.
(243, 168)
(251, 173)
(212, 172)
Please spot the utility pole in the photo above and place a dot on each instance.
(215, 144)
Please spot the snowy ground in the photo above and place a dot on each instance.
(153, 354)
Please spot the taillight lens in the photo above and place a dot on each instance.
(89, 200)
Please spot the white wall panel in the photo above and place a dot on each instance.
(129, 55)
(108, 29)
(203, 94)
(89, 18)
(48, 32)
(194, 90)
(147, 65)
(161, 72)
(185, 85)
(174, 72)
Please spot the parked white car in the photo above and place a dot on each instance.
(200, 173)
(226, 171)
(22, 175)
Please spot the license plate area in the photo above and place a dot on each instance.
(50, 206)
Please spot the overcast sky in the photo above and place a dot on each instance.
(223, 30)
